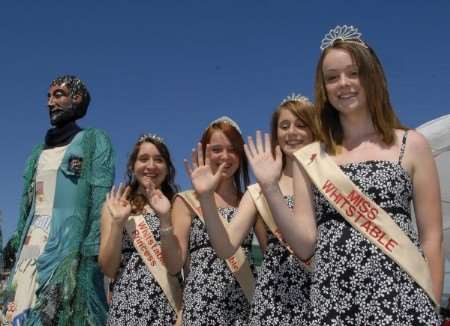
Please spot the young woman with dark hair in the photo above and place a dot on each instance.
(129, 247)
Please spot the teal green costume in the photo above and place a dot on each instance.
(70, 285)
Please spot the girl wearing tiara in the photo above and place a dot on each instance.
(217, 291)
(282, 287)
(353, 192)
(129, 248)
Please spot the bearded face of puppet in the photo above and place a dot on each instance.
(62, 105)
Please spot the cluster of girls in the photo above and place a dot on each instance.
(330, 209)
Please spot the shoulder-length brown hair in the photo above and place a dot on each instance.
(241, 176)
(303, 110)
(168, 187)
(373, 81)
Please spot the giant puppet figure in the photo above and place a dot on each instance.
(56, 280)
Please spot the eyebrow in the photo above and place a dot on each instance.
(287, 120)
(214, 146)
(347, 67)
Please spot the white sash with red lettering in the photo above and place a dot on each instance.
(150, 252)
(262, 206)
(238, 263)
(364, 214)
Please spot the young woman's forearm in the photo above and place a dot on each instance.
(217, 230)
(110, 250)
(434, 252)
(170, 248)
(300, 240)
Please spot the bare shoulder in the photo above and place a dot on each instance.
(247, 203)
(416, 143)
(417, 153)
(247, 196)
(180, 207)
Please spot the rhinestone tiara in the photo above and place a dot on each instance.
(295, 98)
(228, 120)
(149, 136)
(344, 33)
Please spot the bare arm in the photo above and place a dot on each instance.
(174, 242)
(427, 205)
(226, 239)
(115, 213)
(304, 212)
(298, 227)
(261, 233)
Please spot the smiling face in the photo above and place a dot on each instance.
(149, 166)
(61, 105)
(342, 82)
(292, 132)
(223, 151)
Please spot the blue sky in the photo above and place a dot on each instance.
(170, 67)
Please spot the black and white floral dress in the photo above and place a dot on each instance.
(282, 287)
(355, 283)
(137, 298)
(212, 296)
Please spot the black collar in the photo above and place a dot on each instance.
(60, 136)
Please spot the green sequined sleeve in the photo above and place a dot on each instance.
(101, 180)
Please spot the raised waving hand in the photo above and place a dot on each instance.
(157, 200)
(203, 179)
(266, 168)
(118, 205)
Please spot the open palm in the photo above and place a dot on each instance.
(266, 168)
(157, 200)
(202, 177)
(117, 203)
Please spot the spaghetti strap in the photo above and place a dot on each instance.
(402, 148)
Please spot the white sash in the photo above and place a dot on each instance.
(150, 252)
(264, 211)
(364, 214)
(237, 263)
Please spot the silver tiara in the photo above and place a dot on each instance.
(295, 98)
(150, 137)
(228, 120)
(344, 33)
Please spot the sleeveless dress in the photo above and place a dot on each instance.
(137, 298)
(212, 296)
(354, 282)
(282, 286)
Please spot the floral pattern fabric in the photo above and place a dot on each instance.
(355, 283)
(212, 296)
(282, 287)
(137, 297)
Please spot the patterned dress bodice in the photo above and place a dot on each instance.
(212, 296)
(354, 282)
(271, 238)
(199, 238)
(137, 297)
(387, 183)
(127, 244)
(282, 286)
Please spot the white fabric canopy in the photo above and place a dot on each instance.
(437, 132)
